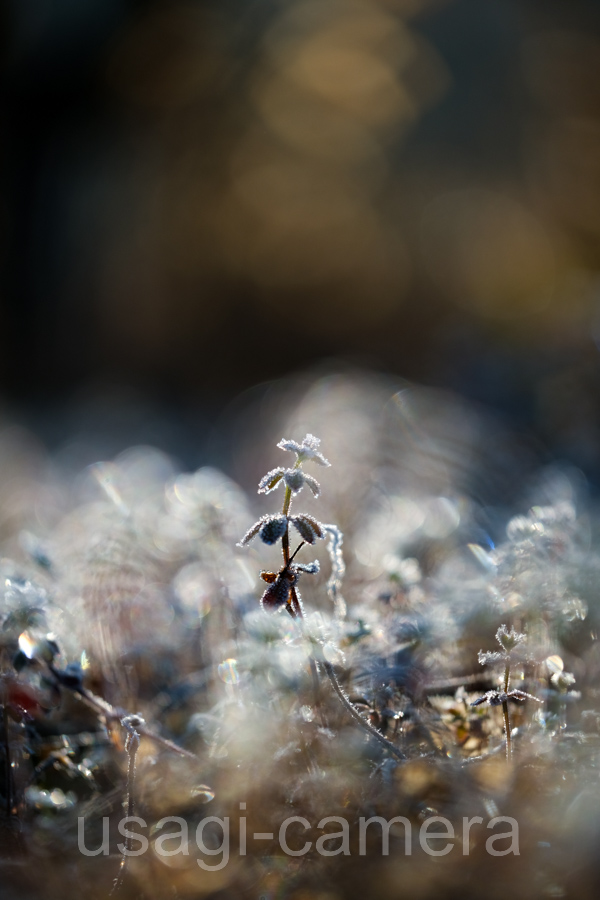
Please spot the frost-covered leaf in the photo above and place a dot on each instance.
(313, 484)
(252, 532)
(508, 640)
(270, 528)
(486, 657)
(294, 479)
(308, 528)
(270, 481)
(273, 529)
(278, 593)
(497, 698)
(310, 568)
(308, 449)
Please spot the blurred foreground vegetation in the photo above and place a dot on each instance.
(124, 583)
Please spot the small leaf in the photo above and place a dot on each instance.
(272, 529)
(486, 657)
(508, 640)
(252, 532)
(308, 528)
(310, 568)
(269, 577)
(278, 593)
(307, 450)
(313, 484)
(295, 478)
(270, 481)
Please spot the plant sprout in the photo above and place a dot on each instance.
(282, 592)
(509, 641)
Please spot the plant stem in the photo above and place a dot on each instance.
(285, 540)
(131, 745)
(505, 712)
(285, 510)
(351, 709)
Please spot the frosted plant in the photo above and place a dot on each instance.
(282, 591)
(511, 644)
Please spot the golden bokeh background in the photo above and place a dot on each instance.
(200, 196)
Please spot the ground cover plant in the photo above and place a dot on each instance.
(423, 721)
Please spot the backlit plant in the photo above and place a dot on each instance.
(282, 592)
(510, 644)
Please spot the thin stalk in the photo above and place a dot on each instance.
(345, 700)
(505, 713)
(131, 746)
(116, 714)
(351, 709)
(285, 540)
(285, 511)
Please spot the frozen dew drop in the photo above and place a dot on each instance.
(307, 713)
(228, 671)
(60, 800)
(555, 665)
(575, 609)
(203, 792)
(27, 645)
(482, 557)
(521, 528)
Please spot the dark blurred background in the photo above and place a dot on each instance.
(201, 196)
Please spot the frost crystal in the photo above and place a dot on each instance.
(308, 449)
